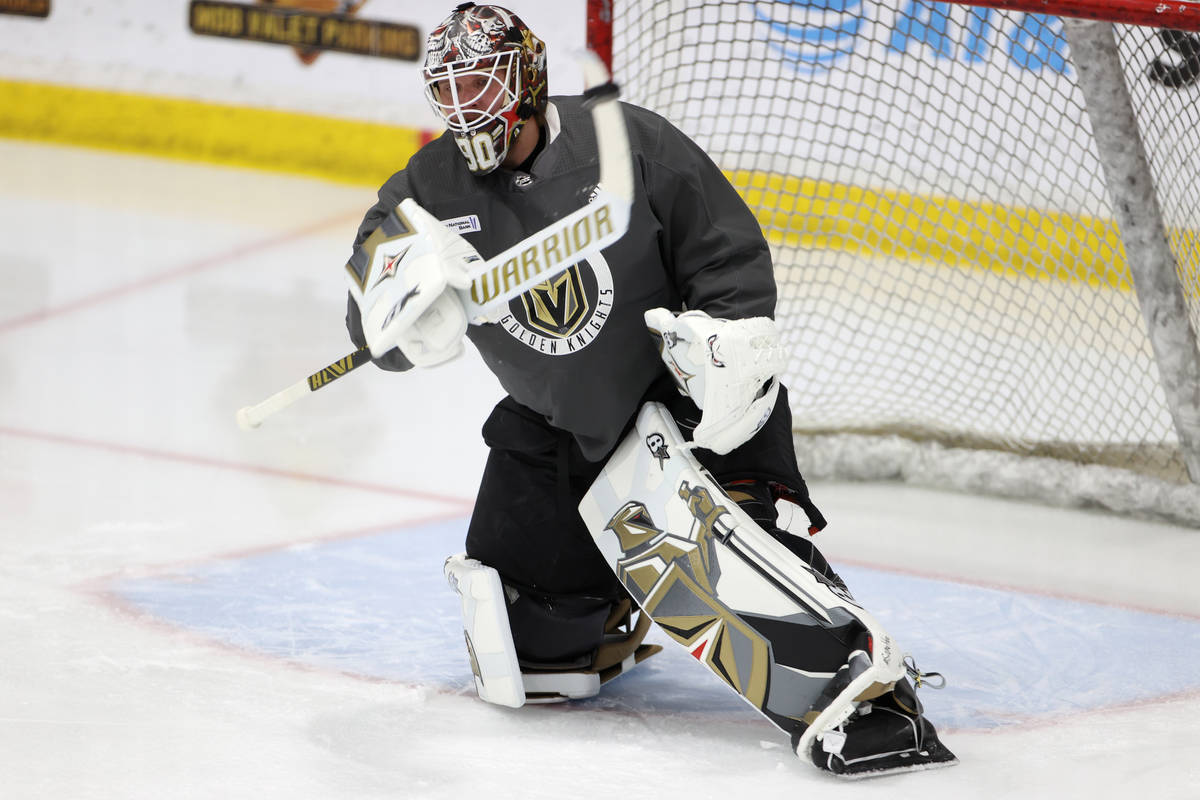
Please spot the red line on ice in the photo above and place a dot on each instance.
(462, 504)
(149, 282)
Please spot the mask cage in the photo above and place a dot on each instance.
(469, 94)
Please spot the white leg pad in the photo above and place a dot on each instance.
(485, 624)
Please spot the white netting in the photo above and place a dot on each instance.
(952, 283)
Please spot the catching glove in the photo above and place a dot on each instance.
(729, 368)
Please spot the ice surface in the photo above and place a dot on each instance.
(1010, 657)
(190, 611)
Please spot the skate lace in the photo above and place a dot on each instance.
(934, 680)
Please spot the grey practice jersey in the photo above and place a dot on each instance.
(576, 348)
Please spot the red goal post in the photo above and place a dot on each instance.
(986, 225)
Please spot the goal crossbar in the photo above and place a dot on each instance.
(1177, 14)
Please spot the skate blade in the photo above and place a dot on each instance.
(895, 766)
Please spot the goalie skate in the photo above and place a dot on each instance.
(794, 646)
(885, 735)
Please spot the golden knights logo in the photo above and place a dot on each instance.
(564, 314)
(674, 579)
(649, 553)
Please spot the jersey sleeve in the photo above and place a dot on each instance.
(390, 194)
(710, 241)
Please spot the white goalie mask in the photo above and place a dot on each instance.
(485, 75)
(478, 100)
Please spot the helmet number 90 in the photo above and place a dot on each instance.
(479, 152)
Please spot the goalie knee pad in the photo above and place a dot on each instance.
(485, 627)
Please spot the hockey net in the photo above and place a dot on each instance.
(953, 278)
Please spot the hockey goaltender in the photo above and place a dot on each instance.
(636, 461)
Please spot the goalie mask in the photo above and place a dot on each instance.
(485, 75)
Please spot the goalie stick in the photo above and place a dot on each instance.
(533, 260)
(249, 417)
